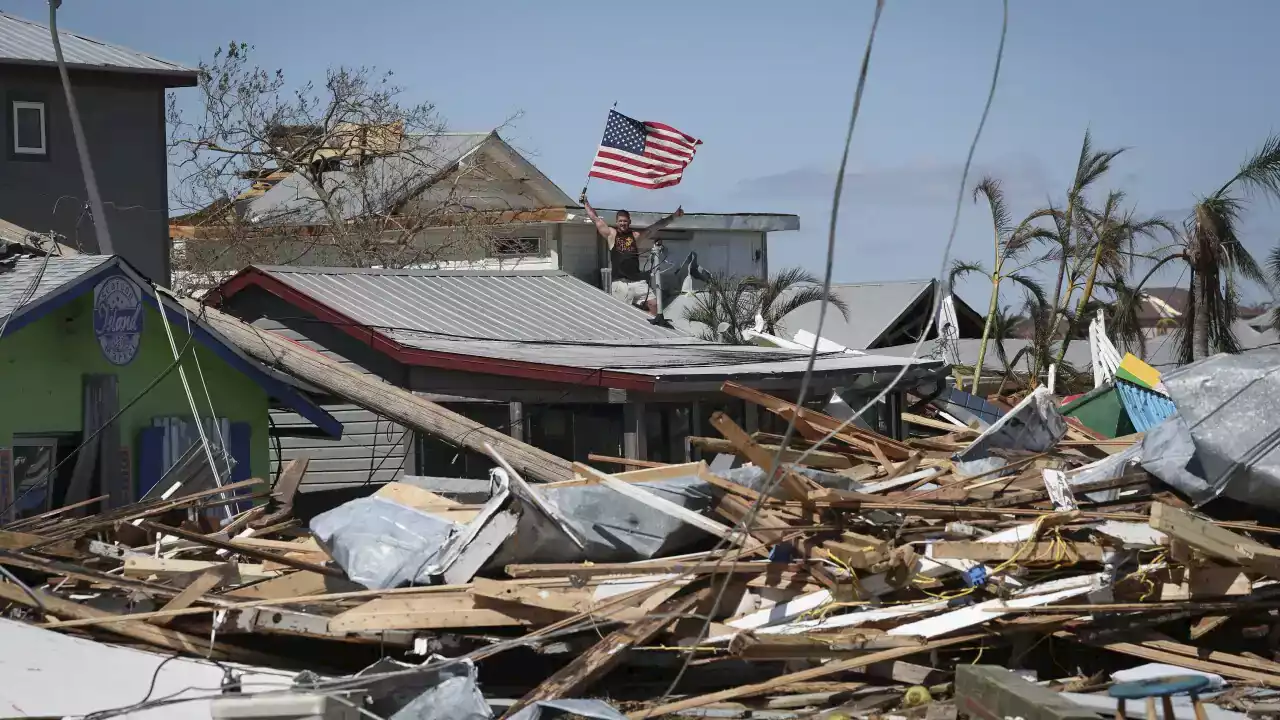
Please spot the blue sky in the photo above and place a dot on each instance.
(768, 85)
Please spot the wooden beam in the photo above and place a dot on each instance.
(1065, 553)
(203, 583)
(629, 462)
(660, 567)
(149, 634)
(813, 458)
(574, 679)
(1214, 541)
(792, 484)
(243, 550)
(787, 680)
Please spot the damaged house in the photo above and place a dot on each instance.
(444, 201)
(103, 373)
(538, 354)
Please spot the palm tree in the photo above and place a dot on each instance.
(1009, 242)
(729, 304)
(1068, 247)
(1108, 240)
(724, 308)
(1216, 256)
(789, 290)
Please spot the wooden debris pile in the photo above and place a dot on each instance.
(858, 575)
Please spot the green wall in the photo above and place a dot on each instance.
(41, 385)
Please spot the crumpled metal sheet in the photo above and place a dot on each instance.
(448, 692)
(1035, 425)
(1108, 468)
(1169, 453)
(616, 528)
(382, 544)
(1228, 403)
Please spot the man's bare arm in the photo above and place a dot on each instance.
(602, 227)
(653, 229)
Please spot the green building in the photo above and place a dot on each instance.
(97, 389)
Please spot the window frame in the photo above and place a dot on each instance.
(516, 238)
(14, 106)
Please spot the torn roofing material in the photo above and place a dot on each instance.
(384, 181)
(59, 280)
(505, 322)
(23, 42)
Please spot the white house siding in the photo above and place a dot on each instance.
(580, 251)
(732, 252)
(368, 441)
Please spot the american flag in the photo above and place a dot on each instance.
(645, 154)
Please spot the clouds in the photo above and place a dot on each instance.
(1026, 178)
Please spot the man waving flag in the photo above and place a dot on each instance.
(645, 154)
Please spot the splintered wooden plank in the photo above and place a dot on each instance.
(795, 486)
(575, 678)
(246, 551)
(1214, 541)
(788, 680)
(813, 458)
(289, 480)
(1066, 553)
(437, 611)
(203, 583)
(568, 601)
(144, 566)
(149, 634)
(849, 433)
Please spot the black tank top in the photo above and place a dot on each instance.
(625, 257)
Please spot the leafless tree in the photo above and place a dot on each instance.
(362, 179)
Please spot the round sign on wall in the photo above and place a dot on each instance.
(117, 319)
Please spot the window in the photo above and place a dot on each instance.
(517, 246)
(29, 131)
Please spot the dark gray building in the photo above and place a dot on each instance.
(121, 97)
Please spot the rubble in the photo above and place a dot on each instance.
(1024, 566)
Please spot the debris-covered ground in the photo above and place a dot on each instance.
(1033, 564)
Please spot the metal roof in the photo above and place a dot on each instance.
(873, 308)
(541, 318)
(510, 305)
(53, 273)
(384, 181)
(23, 42)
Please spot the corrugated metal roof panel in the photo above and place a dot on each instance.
(515, 305)
(546, 317)
(26, 42)
(15, 284)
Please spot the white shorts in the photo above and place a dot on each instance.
(630, 292)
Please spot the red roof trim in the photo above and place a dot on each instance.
(427, 358)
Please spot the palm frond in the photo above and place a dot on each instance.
(1261, 172)
(801, 296)
(1031, 286)
(989, 187)
(961, 268)
(1273, 265)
